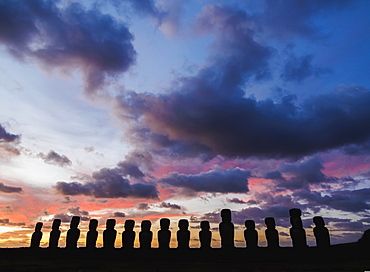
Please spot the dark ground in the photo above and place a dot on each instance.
(335, 258)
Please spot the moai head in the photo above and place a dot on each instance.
(183, 224)
(295, 212)
(250, 224)
(226, 215)
(110, 224)
(319, 221)
(204, 225)
(93, 224)
(56, 224)
(74, 222)
(270, 222)
(38, 226)
(129, 225)
(145, 225)
(296, 222)
(164, 223)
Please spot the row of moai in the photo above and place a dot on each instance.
(226, 229)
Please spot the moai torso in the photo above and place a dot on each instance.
(183, 234)
(128, 236)
(297, 232)
(205, 235)
(272, 235)
(321, 232)
(36, 236)
(226, 228)
(54, 234)
(164, 234)
(109, 234)
(250, 234)
(146, 235)
(92, 234)
(73, 233)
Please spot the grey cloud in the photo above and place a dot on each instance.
(108, 183)
(7, 222)
(219, 180)
(236, 200)
(143, 206)
(6, 136)
(68, 36)
(119, 214)
(9, 189)
(169, 205)
(54, 158)
(64, 217)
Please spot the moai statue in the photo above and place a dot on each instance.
(54, 234)
(36, 236)
(109, 234)
(145, 235)
(205, 235)
(92, 234)
(226, 228)
(73, 233)
(183, 234)
(164, 234)
(250, 234)
(128, 236)
(272, 235)
(297, 232)
(364, 241)
(321, 232)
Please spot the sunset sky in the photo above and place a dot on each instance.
(148, 109)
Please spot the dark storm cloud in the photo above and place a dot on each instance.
(67, 36)
(54, 158)
(6, 136)
(298, 68)
(131, 169)
(216, 181)
(107, 183)
(9, 189)
(169, 205)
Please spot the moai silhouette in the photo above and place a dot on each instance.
(109, 234)
(36, 236)
(54, 234)
(145, 235)
(321, 232)
(297, 232)
(183, 234)
(272, 235)
(128, 236)
(73, 233)
(164, 234)
(250, 234)
(205, 235)
(92, 234)
(226, 228)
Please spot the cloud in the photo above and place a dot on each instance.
(217, 181)
(107, 183)
(119, 214)
(64, 217)
(9, 189)
(142, 206)
(67, 36)
(236, 200)
(169, 205)
(7, 222)
(299, 68)
(54, 158)
(6, 136)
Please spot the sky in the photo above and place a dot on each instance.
(165, 108)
